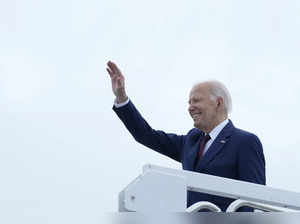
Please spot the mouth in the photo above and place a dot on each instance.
(195, 116)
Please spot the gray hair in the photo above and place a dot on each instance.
(218, 89)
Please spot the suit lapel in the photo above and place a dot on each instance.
(215, 147)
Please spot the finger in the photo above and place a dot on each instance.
(109, 72)
(114, 67)
(111, 66)
(117, 69)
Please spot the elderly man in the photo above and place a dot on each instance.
(213, 147)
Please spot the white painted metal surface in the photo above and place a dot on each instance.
(153, 192)
(165, 189)
(203, 205)
(264, 207)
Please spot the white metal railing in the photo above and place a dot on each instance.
(264, 207)
(203, 205)
(164, 189)
(235, 205)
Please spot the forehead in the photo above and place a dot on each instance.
(198, 90)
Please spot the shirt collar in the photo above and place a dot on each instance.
(214, 133)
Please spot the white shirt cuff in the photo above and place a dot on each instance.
(117, 105)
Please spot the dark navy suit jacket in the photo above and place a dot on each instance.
(234, 154)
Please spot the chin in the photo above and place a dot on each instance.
(196, 125)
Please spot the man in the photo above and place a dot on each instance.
(213, 147)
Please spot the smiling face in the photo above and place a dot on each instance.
(204, 108)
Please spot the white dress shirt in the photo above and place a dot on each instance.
(117, 105)
(214, 133)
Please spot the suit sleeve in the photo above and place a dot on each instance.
(167, 144)
(251, 161)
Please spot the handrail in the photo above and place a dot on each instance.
(203, 205)
(165, 189)
(265, 207)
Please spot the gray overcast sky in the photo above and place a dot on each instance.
(65, 156)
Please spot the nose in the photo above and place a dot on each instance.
(191, 108)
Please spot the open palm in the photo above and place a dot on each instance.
(117, 81)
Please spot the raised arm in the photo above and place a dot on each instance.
(167, 144)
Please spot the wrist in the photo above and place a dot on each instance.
(121, 99)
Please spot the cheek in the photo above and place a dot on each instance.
(200, 105)
(212, 106)
(209, 111)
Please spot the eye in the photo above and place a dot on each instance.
(194, 100)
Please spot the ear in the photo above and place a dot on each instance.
(220, 102)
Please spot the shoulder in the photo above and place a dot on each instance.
(246, 137)
(243, 134)
(193, 135)
(193, 132)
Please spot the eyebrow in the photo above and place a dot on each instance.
(194, 98)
